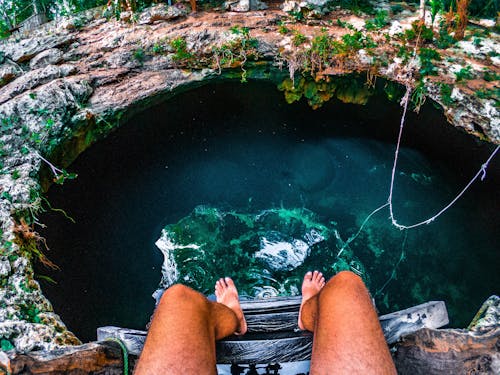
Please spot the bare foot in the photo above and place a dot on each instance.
(312, 284)
(227, 294)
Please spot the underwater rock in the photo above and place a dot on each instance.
(266, 253)
(280, 253)
(313, 167)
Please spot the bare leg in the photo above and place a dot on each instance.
(348, 338)
(185, 325)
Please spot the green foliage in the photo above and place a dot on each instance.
(345, 25)
(381, 20)
(240, 30)
(445, 91)
(491, 76)
(493, 94)
(236, 52)
(63, 176)
(296, 15)
(396, 8)
(6, 345)
(15, 174)
(464, 74)
(427, 56)
(444, 39)
(139, 55)
(393, 91)
(298, 39)
(418, 96)
(6, 195)
(181, 54)
(158, 48)
(317, 92)
(282, 29)
(418, 32)
(436, 7)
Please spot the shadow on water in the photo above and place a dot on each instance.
(243, 147)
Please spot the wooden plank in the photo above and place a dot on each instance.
(275, 322)
(429, 315)
(287, 344)
(250, 349)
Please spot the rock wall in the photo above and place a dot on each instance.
(72, 82)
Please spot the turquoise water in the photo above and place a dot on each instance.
(242, 148)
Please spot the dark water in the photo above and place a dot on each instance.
(243, 147)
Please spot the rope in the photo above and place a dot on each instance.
(393, 273)
(124, 352)
(352, 238)
(481, 172)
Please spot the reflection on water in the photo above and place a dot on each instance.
(240, 149)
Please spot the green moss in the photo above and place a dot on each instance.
(6, 345)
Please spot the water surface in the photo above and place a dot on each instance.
(242, 147)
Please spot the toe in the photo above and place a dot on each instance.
(308, 276)
(230, 282)
(315, 276)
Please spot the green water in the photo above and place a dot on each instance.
(241, 150)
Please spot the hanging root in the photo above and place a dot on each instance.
(30, 242)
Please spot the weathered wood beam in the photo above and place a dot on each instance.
(288, 345)
(448, 351)
(93, 358)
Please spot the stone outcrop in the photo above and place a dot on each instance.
(71, 83)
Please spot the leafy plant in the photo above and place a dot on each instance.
(436, 7)
(444, 39)
(381, 19)
(139, 55)
(445, 91)
(158, 48)
(464, 73)
(427, 56)
(299, 39)
(282, 29)
(181, 53)
(491, 76)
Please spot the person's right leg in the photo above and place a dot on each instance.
(348, 338)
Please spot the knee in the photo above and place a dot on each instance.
(346, 277)
(178, 293)
(345, 280)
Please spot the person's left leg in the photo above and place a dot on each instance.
(185, 326)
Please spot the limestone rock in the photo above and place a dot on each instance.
(34, 79)
(49, 57)
(4, 267)
(26, 49)
(161, 12)
(8, 71)
(244, 5)
(310, 7)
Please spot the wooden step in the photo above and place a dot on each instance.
(273, 335)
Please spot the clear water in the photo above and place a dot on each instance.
(242, 147)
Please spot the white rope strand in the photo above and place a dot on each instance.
(352, 238)
(481, 172)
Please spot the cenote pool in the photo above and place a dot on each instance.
(234, 168)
